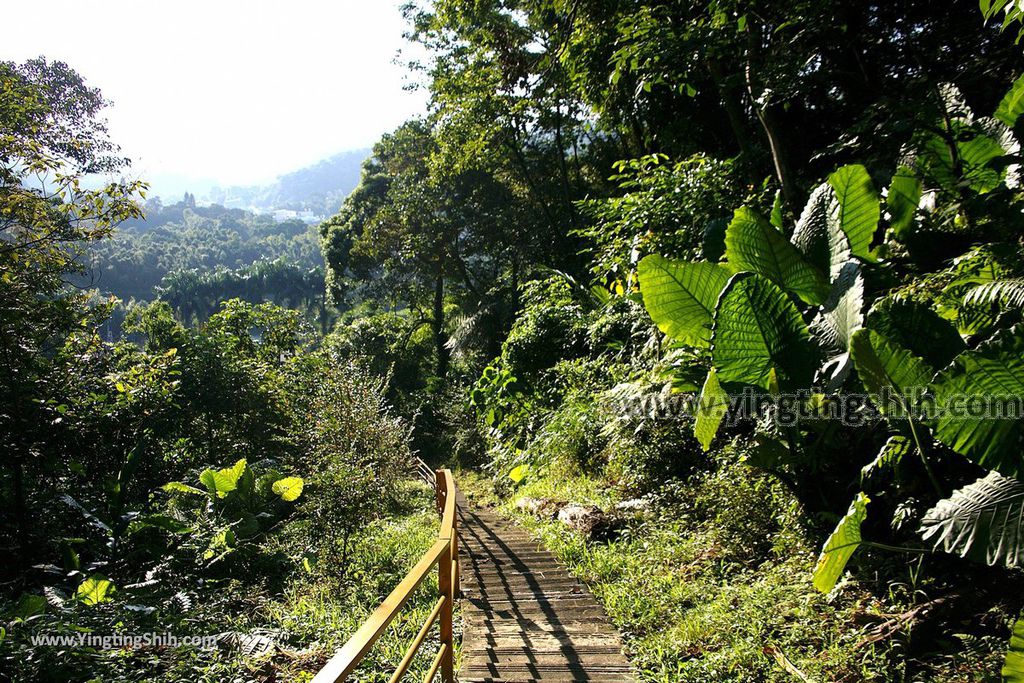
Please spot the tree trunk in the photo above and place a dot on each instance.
(21, 509)
(767, 115)
(440, 344)
(562, 166)
(732, 102)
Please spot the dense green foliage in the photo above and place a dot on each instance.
(811, 204)
(736, 263)
(194, 257)
(169, 485)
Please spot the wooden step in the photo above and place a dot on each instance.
(540, 570)
(519, 582)
(553, 589)
(508, 653)
(519, 585)
(566, 626)
(531, 560)
(488, 549)
(527, 558)
(549, 679)
(555, 610)
(557, 672)
(493, 663)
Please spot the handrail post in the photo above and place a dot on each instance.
(444, 580)
(445, 554)
(439, 493)
(446, 631)
(456, 583)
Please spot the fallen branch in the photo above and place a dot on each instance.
(891, 626)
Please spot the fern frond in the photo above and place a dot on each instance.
(465, 329)
(1007, 292)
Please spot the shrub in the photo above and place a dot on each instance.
(387, 345)
(551, 327)
(640, 461)
(355, 448)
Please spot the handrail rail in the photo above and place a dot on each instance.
(425, 472)
(445, 554)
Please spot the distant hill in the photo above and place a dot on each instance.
(319, 188)
(181, 237)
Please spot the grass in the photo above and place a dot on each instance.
(328, 612)
(324, 613)
(715, 586)
(309, 616)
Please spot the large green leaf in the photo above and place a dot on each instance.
(222, 482)
(842, 314)
(974, 316)
(889, 372)
(1012, 104)
(991, 377)
(841, 545)
(94, 590)
(1013, 666)
(916, 327)
(711, 408)
(178, 487)
(289, 488)
(979, 155)
(983, 521)
(858, 207)
(758, 329)
(518, 473)
(680, 297)
(752, 243)
(819, 235)
(902, 200)
(979, 143)
(889, 457)
(29, 605)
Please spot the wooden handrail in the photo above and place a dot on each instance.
(445, 554)
(417, 641)
(425, 472)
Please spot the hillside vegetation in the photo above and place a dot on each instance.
(751, 268)
(721, 300)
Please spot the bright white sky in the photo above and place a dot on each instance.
(228, 91)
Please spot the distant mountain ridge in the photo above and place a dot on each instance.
(319, 188)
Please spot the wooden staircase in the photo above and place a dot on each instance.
(526, 618)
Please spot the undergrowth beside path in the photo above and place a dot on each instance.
(715, 586)
(265, 632)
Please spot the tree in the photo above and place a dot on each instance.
(51, 136)
(558, 79)
(419, 238)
